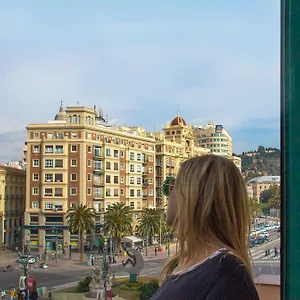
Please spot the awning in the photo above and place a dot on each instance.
(131, 239)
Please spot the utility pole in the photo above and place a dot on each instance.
(56, 245)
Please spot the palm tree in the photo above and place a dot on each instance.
(82, 220)
(117, 222)
(255, 208)
(149, 223)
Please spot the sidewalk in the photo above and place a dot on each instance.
(63, 262)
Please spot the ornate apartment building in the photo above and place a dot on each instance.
(12, 206)
(172, 147)
(78, 159)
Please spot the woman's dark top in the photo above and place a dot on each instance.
(223, 277)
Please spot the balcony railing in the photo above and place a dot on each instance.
(98, 183)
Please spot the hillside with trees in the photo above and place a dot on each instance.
(263, 161)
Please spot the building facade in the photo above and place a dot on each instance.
(79, 159)
(12, 206)
(173, 146)
(258, 184)
(215, 138)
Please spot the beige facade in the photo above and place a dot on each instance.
(215, 138)
(172, 147)
(12, 206)
(79, 159)
(258, 184)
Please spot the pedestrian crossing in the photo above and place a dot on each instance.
(259, 255)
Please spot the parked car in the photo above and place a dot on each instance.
(26, 258)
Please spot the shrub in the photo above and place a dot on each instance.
(83, 285)
(147, 290)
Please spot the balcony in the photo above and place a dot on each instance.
(99, 171)
(99, 197)
(98, 183)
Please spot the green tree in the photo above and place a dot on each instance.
(265, 196)
(275, 196)
(255, 208)
(150, 222)
(118, 222)
(81, 220)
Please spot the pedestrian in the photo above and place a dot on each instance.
(3, 294)
(266, 253)
(109, 259)
(13, 294)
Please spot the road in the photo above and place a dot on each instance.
(53, 277)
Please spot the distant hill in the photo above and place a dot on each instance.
(263, 161)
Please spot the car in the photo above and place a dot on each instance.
(26, 258)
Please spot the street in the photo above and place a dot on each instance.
(59, 275)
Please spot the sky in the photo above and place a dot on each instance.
(141, 62)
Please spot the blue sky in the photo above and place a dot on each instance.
(141, 61)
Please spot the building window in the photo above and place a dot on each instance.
(116, 192)
(48, 177)
(48, 149)
(150, 192)
(35, 191)
(60, 135)
(131, 192)
(107, 165)
(49, 135)
(35, 205)
(48, 192)
(107, 192)
(35, 177)
(89, 149)
(73, 204)
(73, 191)
(58, 178)
(150, 158)
(122, 179)
(150, 180)
(48, 163)
(122, 153)
(116, 153)
(89, 177)
(58, 192)
(139, 168)
(121, 166)
(36, 135)
(131, 180)
(74, 135)
(107, 179)
(107, 151)
(73, 176)
(139, 180)
(139, 157)
(36, 149)
(73, 148)
(35, 162)
(131, 155)
(59, 163)
(138, 193)
(116, 166)
(89, 163)
(89, 191)
(150, 169)
(48, 206)
(74, 163)
(122, 192)
(116, 179)
(89, 136)
(131, 168)
(132, 205)
(59, 149)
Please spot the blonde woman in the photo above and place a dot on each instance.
(209, 208)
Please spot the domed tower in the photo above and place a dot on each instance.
(61, 114)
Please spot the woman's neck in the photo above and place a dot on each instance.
(199, 256)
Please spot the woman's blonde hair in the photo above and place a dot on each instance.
(212, 205)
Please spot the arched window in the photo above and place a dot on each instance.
(70, 119)
(74, 119)
(78, 119)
